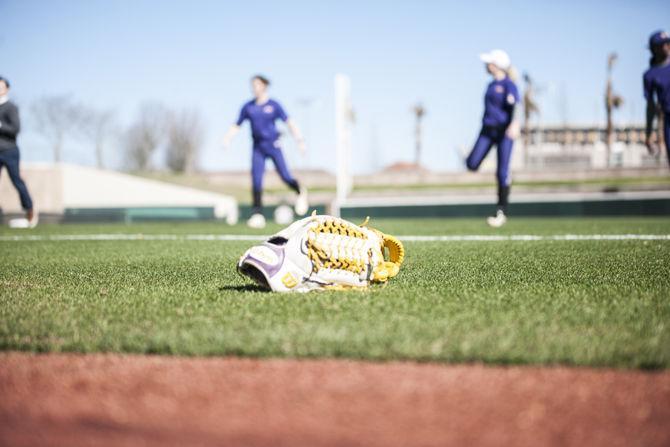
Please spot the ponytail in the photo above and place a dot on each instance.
(512, 73)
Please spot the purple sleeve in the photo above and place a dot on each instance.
(512, 97)
(243, 115)
(281, 114)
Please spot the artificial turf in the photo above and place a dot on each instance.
(598, 303)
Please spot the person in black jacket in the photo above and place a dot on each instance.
(10, 126)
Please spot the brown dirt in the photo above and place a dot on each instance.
(118, 400)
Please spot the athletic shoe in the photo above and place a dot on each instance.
(256, 221)
(301, 204)
(20, 222)
(498, 220)
(30, 221)
(33, 217)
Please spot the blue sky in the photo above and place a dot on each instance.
(200, 54)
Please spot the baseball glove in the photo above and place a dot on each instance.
(323, 252)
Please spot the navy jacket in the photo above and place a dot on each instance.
(10, 125)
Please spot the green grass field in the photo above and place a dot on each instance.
(600, 303)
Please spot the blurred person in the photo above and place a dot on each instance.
(498, 127)
(262, 112)
(656, 81)
(10, 126)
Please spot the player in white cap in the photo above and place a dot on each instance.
(498, 127)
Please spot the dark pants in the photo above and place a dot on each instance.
(261, 152)
(487, 138)
(9, 158)
(666, 133)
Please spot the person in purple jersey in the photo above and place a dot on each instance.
(656, 81)
(498, 127)
(10, 126)
(262, 112)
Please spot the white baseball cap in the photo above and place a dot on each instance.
(499, 58)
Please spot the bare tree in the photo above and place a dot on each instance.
(144, 136)
(97, 126)
(185, 136)
(530, 107)
(55, 117)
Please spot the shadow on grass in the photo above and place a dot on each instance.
(243, 288)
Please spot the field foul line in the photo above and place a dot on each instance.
(239, 237)
(529, 237)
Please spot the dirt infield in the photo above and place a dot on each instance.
(115, 400)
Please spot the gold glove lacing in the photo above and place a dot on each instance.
(339, 245)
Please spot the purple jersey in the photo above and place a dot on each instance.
(262, 118)
(499, 101)
(657, 85)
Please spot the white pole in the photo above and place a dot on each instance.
(343, 121)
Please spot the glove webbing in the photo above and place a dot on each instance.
(396, 255)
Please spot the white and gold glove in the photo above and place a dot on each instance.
(323, 252)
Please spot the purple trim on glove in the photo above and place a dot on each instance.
(268, 269)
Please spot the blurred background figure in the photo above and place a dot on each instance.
(10, 126)
(262, 112)
(657, 93)
(498, 127)
(612, 101)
